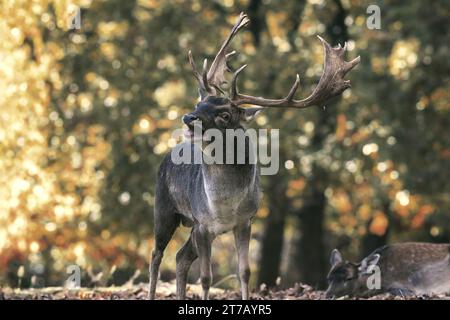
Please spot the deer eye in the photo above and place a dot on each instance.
(225, 116)
(349, 278)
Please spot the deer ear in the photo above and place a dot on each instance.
(248, 114)
(370, 260)
(335, 257)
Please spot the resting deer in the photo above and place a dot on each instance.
(404, 269)
(217, 198)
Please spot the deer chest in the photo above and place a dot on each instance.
(228, 210)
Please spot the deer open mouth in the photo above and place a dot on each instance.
(193, 133)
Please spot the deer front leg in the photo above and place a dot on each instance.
(202, 241)
(166, 223)
(185, 257)
(242, 240)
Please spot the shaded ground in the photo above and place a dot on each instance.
(167, 291)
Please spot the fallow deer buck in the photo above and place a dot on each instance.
(217, 198)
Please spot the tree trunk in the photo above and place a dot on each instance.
(310, 256)
(272, 241)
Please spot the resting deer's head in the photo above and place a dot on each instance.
(348, 278)
(225, 112)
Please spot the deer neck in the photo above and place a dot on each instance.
(236, 176)
(228, 177)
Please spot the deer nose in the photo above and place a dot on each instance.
(188, 118)
(329, 295)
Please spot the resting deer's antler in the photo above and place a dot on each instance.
(331, 83)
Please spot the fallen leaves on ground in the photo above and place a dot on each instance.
(166, 290)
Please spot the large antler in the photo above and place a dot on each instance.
(331, 83)
(210, 81)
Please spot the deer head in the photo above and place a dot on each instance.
(226, 111)
(348, 278)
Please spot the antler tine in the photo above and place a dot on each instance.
(211, 80)
(331, 83)
(233, 88)
(205, 77)
(232, 53)
(216, 73)
(294, 88)
(194, 68)
(202, 90)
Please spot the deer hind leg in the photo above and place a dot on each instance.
(202, 241)
(185, 257)
(242, 240)
(165, 226)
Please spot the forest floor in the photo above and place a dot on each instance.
(167, 291)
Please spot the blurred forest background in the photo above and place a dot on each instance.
(86, 116)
